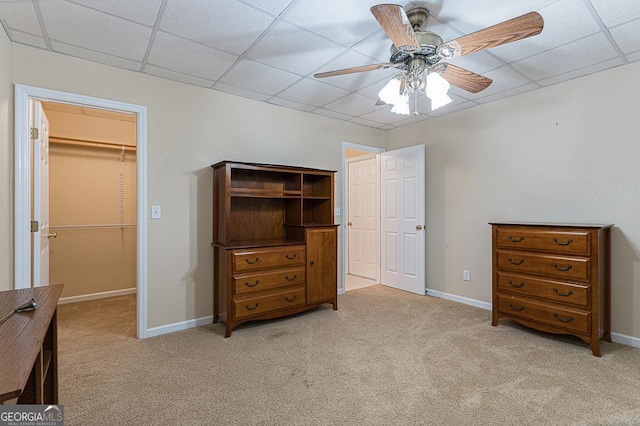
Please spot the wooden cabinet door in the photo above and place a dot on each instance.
(322, 271)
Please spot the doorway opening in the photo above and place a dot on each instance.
(25, 97)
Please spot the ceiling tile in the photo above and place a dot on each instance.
(290, 104)
(312, 92)
(144, 12)
(616, 12)
(258, 77)
(447, 109)
(301, 54)
(216, 24)
(97, 31)
(29, 39)
(504, 78)
(20, 15)
(222, 87)
(582, 71)
(377, 46)
(90, 55)
(364, 122)
(176, 76)
(188, 57)
(345, 22)
(568, 57)
(353, 104)
(332, 114)
(633, 57)
(383, 115)
(274, 7)
(626, 36)
(556, 30)
(506, 93)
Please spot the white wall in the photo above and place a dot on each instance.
(6, 165)
(190, 128)
(565, 153)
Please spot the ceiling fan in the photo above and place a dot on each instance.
(418, 55)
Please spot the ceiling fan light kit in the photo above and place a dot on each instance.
(417, 54)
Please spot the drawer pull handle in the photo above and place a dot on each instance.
(569, 293)
(569, 241)
(516, 308)
(251, 285)
(513, 262)
(290, 299)
(559, 318)
(286, 277)
(291, 257)
(251, 308)
(516, 285)
(252, 263)
(513, 240)
(555, 265)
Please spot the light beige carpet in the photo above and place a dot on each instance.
(386, 357)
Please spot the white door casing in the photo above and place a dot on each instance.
(41, 196)
(362, 229)
(402, 242)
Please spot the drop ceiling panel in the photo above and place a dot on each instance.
(626, 36)
(238, 91)
(258, 77)
(188, 57)
(332, 114)
(310, 91)
(176, 76)
(616, 12)
(31, 40)
(274, 7)
(290, 104)
(144, 12)
(302, 54)
(353, 104)
(21, 16)
(93, 30)
(504, 78)
(229, 25)
(581, 72)
(90, 55)
(353, 82)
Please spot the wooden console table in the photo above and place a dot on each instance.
(29, 347)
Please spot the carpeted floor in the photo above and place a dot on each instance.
(386, 357)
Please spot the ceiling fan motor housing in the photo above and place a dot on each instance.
(428, 43)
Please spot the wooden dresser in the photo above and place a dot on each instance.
(275, 243)
(554, 278)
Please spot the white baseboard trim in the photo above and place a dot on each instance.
(625, 340)
(615, 337)
(178, 326)
(94, 296)
(460, 299)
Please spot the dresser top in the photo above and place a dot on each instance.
(555, 224)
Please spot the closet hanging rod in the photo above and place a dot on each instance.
(93, 226)
(82, 142)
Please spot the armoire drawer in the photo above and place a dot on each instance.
(270, 301)
(565, 292)
(565, 267)
(567, 319)
(269, 257)
(269, 279)
(553, 241)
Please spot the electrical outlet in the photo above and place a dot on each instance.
(466, 275)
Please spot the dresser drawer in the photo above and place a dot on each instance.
(266, 280)
(272, 301)
(548, 314)
(574, 268)
(555, 241)
(271, 257)
(576, 294)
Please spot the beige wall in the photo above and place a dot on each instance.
(6, 165)
(84, 189)
(566, 153)
(190, 128)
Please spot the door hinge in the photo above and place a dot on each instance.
(34, 133)
(35, 226)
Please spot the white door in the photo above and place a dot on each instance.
(41, 197)
(402, 237)
(362, 224)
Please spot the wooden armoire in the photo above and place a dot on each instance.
(275, 243)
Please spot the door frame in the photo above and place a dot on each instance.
(345, 207)
(22, 193)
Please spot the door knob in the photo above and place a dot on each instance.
(349, 223)
(418, 227)
(52, 235)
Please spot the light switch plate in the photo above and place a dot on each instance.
(336, 211)
(156, 212)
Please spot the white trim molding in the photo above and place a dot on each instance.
(179, 326)
(95, 296)
(22, 245)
